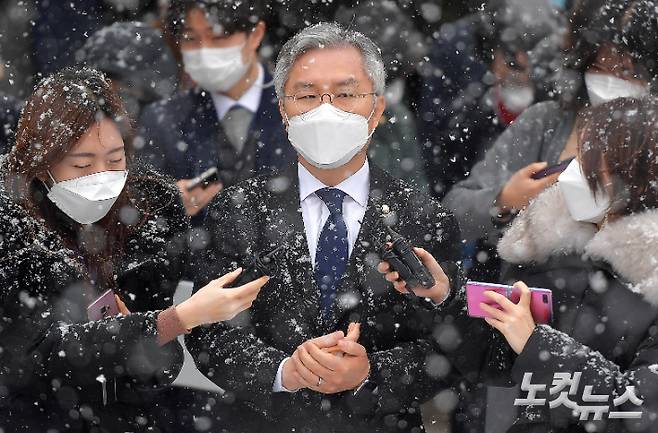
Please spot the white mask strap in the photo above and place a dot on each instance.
(374, 105)
(51, 178)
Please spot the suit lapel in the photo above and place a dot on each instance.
(284, 225)
(202, 129)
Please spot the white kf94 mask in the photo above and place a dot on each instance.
(328, 137)
(581, 202)
(88, 199)
(602, 88)
(215, 69)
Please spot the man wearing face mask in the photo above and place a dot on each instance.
(329, 345)
(229, 120)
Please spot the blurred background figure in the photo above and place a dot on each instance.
(137, 60)
(229, 120)
(484, 70)
(16, 73)
(598, 66)
(394, 146)
(16, 66)
(62, 27)
(9, 114)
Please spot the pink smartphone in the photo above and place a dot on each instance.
(104, 306)
(541, 300)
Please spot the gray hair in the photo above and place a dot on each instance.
(329, 35)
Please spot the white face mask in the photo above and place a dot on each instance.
(516, 98)
(602, 88)
(88, 199)
(215, 69)
(328, 137)
(582, 204)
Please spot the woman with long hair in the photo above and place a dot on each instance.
(81, 221)
(591, 239)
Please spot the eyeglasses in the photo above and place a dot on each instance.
(346, 101)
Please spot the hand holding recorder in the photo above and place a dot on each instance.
(401, 261)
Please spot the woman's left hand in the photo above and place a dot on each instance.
(514, 321)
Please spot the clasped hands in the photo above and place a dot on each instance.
(336, 362)
(328, 364)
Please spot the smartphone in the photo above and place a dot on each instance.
(557, 168)
(541, 300)
(105, 306)
(204, 179)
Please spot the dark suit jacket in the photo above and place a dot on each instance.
(182, 137)
(264, 212)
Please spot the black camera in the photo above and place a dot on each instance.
(401, 257)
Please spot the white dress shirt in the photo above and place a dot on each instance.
(315, 214)
(249, 100)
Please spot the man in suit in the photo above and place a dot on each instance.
(229, 120)
(325, 220)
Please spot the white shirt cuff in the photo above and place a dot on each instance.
(434, 304)
(278, 380)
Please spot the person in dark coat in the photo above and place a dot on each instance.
(483, 71)
(230, 120)
(394, 146)
(61, 28)
(79, 219)
(598, 255)
(325, 291)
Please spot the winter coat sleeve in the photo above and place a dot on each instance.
(231, 356)
(406, 374)
(157, 254)
(549, 351)
(39, 341)
(473, 198)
